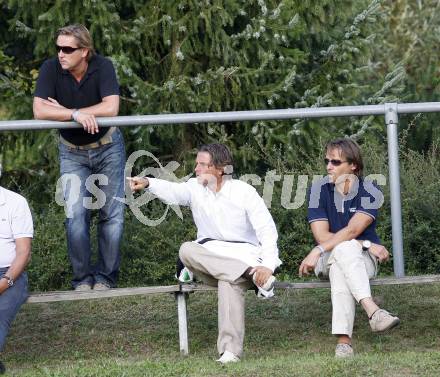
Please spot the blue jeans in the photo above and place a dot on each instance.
(10, 302)
(107, 161)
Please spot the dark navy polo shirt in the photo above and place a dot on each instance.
(327, 204)
(99, 81)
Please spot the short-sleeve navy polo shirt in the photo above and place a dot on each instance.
(327, 204)
(99, 81)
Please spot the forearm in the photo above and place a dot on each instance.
(269, 250)
(17, 267)
(331, 240)
(323, 236)
(19, 264)
(271, 261)
(48, 112)
(106, 108)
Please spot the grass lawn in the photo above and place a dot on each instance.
(286, 336)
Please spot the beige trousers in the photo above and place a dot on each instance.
(350, 269)
(226, 274)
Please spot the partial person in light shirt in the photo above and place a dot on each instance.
(236, 245)
(16, 232)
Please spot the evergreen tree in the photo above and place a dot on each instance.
(212, 55)
(412, 42)
(209, 55)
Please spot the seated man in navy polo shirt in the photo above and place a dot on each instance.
(342, 213)
(80, 85)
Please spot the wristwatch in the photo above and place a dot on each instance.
(321, 249)
(9, 279)
(366, 245)
(75, 114)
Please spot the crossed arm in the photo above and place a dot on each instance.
(328, 240)
(50, 109)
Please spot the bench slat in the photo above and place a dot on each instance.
(116, 292)
(423, 279)
(377, 281)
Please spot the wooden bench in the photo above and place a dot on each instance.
(181, 291)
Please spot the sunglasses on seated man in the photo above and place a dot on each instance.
(66, 49)
(334, 162)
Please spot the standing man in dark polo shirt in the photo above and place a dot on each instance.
(342, 213)
(81, 85)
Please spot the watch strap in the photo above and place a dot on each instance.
(321, 249)
(9, 279)
(75, 114)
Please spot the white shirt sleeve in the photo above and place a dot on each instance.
(265, 229)
(21, 221)
(170, 192)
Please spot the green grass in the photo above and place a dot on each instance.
(287, 336)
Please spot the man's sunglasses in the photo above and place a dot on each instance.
(66, 49)
(333, 162)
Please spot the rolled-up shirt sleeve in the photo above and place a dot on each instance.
(265, 229)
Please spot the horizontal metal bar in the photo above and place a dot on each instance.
(226, 116)
(422, 107)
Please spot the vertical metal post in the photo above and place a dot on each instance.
(392, 120)
(183, 323)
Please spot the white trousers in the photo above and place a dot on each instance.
(225, 273)
(350, 269)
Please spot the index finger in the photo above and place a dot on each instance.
(94, 124)
(301, 268)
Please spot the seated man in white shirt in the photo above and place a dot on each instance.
(236, 244)
(16, 231)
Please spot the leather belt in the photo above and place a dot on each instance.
(106, 139)
(204, 240)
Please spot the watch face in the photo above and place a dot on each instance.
(366, 244)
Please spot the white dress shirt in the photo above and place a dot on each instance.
(15, 222)
(235, 213)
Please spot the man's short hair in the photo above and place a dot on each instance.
(350, 150)
(221, 157)
(82, 36)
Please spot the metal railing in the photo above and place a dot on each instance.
(390, 111)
